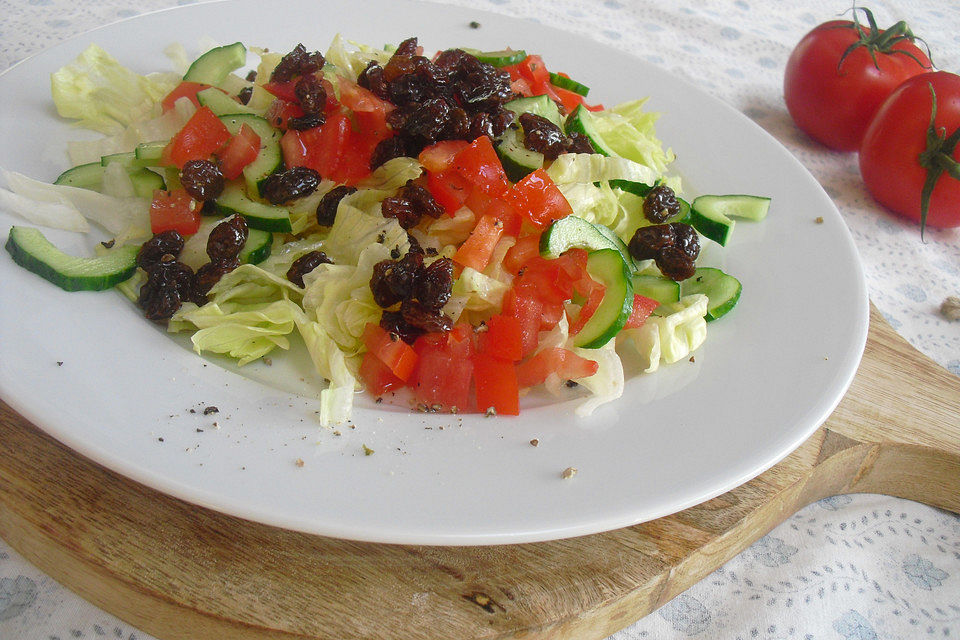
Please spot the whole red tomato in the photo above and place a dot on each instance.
(840, 73)
(902, 152)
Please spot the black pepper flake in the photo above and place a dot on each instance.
(160, 439)
(109, 244)
(474, 24)
(208, 410)
(59, 363)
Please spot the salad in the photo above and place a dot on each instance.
(448, 231)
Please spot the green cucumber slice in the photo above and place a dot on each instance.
(503, 58)
(663, 290)
(31, 250)
(215, 65)
(84, 176)
(607, 266)
(711, 214)
(145, 182)
(517, 160)
(573, 231)
(149, 154)
(569, 84)
(641, 190)
(220, 103)
(270, 157)
(258, 215)
(581, 121)
(722, 290)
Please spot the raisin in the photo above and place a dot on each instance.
(327, 209)
(297, 62)
(202, 179)
(402, 209)
(388, 149)
(372, 78)
(162, 244)
(660, 204)
(422, 317)
(433, 285)
(227, 239)
(209, 275)
(647, 242)
(686, 239)
(310, 94)
(407, 48)
(169, 283)
(305, 264)
(674, 263)
(542, 135)
(394, 280)
(306, 121)
(392, 322)
(245, 94)
(295, 182)
(423, 201)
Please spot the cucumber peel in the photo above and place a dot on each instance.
(607, 267)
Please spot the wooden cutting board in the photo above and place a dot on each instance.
(181, 572)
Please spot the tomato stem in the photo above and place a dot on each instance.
(937, 158)
(874, 41)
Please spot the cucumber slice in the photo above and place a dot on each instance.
(145, 182)
(84, 176)
(607, 266)
(31, 250)
(270, 157)
(149, 154)
(503, 58)
(517, 160)
(255, 250)
(128, 159)
(573, 231)
(258, 215)
(722, 290)
(564, 82)
(539, 105)
(220, 103)
(735, 205)
(215, 65)
(641, 190)
(581, 121)
(663, 290)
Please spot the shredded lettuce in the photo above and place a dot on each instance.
(672, 336)
(103, 95)
(336, 401)
(629, 131)
(593, 167)
(352, 61)
(606, 385)
(353, 231)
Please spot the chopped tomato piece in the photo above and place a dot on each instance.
(534, 70)
(528, 310)
(539, 199)
(376, 376)
(588, 309)
(399, 357)
(502, 338)
(438, 157)
(449, 189)
(569, 99)
(280, 111)
(479, 163)
(526, 248)
(174, 210)
(360, 100)
(241, 150)
(185, 89)
(293, 149)
(565, 363)
(444, 368)
(475, 252)
(283, 90)
(642, 308)
(521, 86)
(496, 384)
(197, 140)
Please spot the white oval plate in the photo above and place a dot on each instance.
(90, 371)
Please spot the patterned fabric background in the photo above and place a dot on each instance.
(845, 568)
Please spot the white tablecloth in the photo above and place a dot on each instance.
(848, 567)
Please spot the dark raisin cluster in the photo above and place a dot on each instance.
(305, 264)
(202, 179)
(453, 97)
(539, 134)
(302, 67)
(289, 184)
(421, 291)
(327, 208)
(223, 248)
(410, 205)
(674, 246)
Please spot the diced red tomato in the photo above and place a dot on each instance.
(283, 90)
(526, 248)
(280, 111)
(185, 89)
(496, 384)
(554, 280)
(528, 310)
(240, 150)
(512, 221)
(293, 149)
(376, 376)
(444, 368)
(569, 99)
(479, 163)
(565, 363)
(538, 199)
(438, 157)
(399, 357)
(642, 308)
(449, 189)
(588, 309)
(521, 86)
(174, 210)
(502, 338)
(197, 140)
(534, 70)
(476, 250)
(360, 100)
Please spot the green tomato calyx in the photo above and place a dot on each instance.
(937, 159)
(876, 41)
